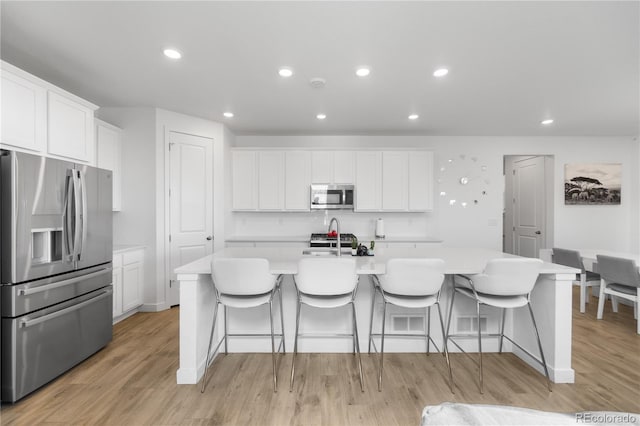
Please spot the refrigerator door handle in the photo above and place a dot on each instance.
(47, 287)
(68, 215)
(83, 191)
(29, 322)
(77, 213)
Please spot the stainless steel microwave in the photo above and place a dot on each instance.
(332, 197)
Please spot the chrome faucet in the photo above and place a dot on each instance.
(333, 219)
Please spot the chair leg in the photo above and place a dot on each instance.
(504, 316)
(453, 296)
(355, 330)
(614, 304)
(295, 345)
(273, 348)
(544, 362)
(601, 299)
(284, 349)
(226, 332)
(206, 364)
(373, 305)
(444, 348)
(479, 348)
(384, 317)
(428, 330)
(583, 292)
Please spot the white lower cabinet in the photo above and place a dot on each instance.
(128, 282)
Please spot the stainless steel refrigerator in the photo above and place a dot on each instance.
(55, 268)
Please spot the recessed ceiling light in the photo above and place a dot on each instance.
(441, 72)
(172, 53)
(413, 117)
(285, 72)
(321, 116)
(363, 72)
(546, 122)
(228, 114)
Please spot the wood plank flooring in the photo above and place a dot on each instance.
(132, 382)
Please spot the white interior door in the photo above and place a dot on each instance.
(529, 206)
(191, 203)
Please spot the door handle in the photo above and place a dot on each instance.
(209, 238)
(538, 232)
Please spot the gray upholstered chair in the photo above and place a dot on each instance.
(588, 279)
(620, 278)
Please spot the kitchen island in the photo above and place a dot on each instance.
(551, 301)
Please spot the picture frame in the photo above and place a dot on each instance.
(592, 183)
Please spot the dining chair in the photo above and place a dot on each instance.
(620, 278)
(587, 280)
(242, 283)
(410, 284)
(326, 283)
(505, 283)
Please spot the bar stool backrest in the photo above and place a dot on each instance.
(326, 276)
(413, 277)
(618, 270)
(508, 276)
(566, 257)
(242, 277)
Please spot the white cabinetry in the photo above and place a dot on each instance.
(368, 181)
(244, 183)
(24, 113)
(297, 178)
(70, 126)
(332, 167)
(41, 118)
(109, 156)
(394, 181)
(270, 180)
(128, 281)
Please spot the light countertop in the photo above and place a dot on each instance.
(121, 248)
(305, 239)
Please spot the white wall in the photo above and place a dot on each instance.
(479, 225)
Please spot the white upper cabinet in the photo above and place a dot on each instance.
(245, 189)
(41, 118)
(332, 167)
(421, 181)
(24, 113)
(109, 156)
(70, 128)
(368, 181)
(271, 180)
(395, 180)
(297, 180)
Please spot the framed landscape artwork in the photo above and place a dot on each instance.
(592, 183)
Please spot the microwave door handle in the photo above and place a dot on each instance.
(83, 192)
(77, 210)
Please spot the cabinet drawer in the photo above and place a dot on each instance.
(132, 257)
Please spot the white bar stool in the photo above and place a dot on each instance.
(326, 283)
(415, 284)
(244, 283)
(506, 283)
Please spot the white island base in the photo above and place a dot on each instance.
(551, 301)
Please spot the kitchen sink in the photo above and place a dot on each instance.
(324, 252)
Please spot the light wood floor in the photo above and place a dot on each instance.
(132, 382)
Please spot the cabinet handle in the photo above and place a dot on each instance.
(209, 238)
(538, 232)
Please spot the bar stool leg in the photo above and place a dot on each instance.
(226, 332)
(373, 305)
(504, 315)
(206, 365)
(428, 330)
(446, 351)
(384, 317)
(284, 349)
(544, 362)
(295, 345)
(479, 348)
(273, 347)
(355, 330)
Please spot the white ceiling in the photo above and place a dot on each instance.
(511, 64)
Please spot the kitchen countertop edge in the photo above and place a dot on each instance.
(122, 248)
